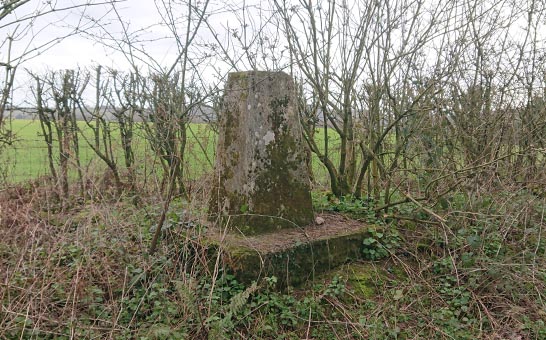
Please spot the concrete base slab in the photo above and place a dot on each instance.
(295, 255)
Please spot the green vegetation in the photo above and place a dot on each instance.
(427, 125)
(466, 264)
(467, 279)
(26, 159)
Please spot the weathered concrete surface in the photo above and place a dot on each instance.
(293, 256)
(261, 177)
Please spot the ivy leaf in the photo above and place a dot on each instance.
(474, 241)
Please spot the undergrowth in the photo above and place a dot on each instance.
(85, 273)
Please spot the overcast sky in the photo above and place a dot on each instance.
(84, 49)
(156, 45)
(101, 26)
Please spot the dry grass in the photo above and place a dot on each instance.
(84, 272)
(57, 267)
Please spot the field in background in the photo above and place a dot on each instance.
(26, 159)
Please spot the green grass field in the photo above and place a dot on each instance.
(26, 159)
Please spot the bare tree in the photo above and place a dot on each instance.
(356, 61)
(125, 98)
(46, 124)
(25, 40)
(56, 94)
(96, 119)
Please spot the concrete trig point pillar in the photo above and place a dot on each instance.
(261, 177)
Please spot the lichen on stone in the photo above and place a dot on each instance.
(261, 158)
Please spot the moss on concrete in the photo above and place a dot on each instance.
(363, 278)
(296, 264)
(261, 170)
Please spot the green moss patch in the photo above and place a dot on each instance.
(295, 256)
